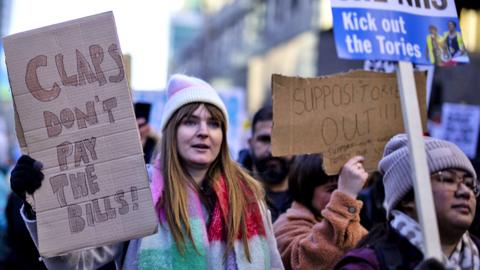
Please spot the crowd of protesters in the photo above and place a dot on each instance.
(266, 212)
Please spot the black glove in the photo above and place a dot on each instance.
(26, 177)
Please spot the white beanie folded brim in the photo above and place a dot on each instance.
(199, 92)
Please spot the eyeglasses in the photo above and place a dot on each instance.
(451, 181)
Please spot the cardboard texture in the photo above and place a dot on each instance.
(19, 131)
(340, 116)
(74, 113)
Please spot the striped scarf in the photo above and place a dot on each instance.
(159, 251)
(464, 257)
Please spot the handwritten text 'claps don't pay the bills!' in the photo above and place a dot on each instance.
(75, 158)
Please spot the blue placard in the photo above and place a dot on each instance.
(422, 32)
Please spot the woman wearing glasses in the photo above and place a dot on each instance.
(398, 244)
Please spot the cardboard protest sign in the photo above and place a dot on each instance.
(75, 110)
(19, 132)
(422, 32)
(460, 125)
(340, 116)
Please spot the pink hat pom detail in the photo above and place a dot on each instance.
(178, 82)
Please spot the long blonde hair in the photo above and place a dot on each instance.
(174, 200)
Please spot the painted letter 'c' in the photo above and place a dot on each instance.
(33, 85)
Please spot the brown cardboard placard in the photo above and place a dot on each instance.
(19, 131)
(75, 110)
(340, 116)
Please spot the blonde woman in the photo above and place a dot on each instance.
(211, 214)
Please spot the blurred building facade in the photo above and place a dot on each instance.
(242, 42)
(184, 27)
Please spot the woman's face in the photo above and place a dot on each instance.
(322, 194)
(199, 138)
(454, 201)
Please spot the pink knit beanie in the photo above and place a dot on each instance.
(182, 89)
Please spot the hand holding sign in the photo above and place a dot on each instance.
(74, 113)
(408, 31)
(352, 176)
(26, 176)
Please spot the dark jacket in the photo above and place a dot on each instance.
(22, 253)
(149, 149)
(389, 251)
(278, 202)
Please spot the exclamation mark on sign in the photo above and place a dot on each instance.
(133, 191)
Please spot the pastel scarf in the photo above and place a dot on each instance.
(464, 257)
(159, 251)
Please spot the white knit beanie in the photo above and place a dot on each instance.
(396, 170)
(182, 89)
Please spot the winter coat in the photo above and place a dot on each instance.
(126, 254)
(306, 242)
(390, 251)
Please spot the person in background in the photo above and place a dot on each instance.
(271, 171)
(147, 135)
(21, 252)
(210, 211)
(372, 196)
(323, 222)
(4, 189)
(453, 40)
(5, 157)
(435, 53)
(399, 244)
(17, 250)
(4, 192)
